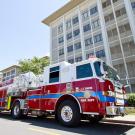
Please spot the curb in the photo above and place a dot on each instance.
(119, 121)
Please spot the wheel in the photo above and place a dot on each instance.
(16, 112)
(68, 113)
(95, 119)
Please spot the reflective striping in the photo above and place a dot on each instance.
(44, 96)
(9, 102)
(98, 94)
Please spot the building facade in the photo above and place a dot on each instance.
(105, 28)
(9, 73)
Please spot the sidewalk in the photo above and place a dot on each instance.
(128, 119)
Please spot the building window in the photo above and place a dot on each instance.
(86, 28)
(61, 52)
(76, 32)
(124, 28)
(106, 3)
(13, 72)
(12, 76)
(60, 28)
(112, 33)
(85, 15)
(68, 24)
(109, 17)
(93, 10)
(77, 45)
(54, 74)
(100, 53)
(88, 41)
(98, 38)
(78, 59)
(89, 55)
(70, 48)
(120, 12)
(75, 20)
(115, 1)
(8, 73)
(95, 24)
(84, 71)
(98, 68)
(71, 61)
(69, 35)
(61, 40)
(4, 75)
(133, 5)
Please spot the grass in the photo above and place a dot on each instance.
(130, 110)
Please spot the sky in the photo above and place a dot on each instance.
(22, 35)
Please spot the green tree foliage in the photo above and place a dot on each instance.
(35, 65)
(131, 100)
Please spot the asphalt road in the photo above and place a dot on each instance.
(48, 126)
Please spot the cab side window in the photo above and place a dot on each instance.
(54, 74)
(84, 71)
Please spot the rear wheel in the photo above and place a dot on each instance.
(16, 112)
(68, 113)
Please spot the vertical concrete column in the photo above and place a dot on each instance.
(50, 45)
(104, 33)
(65, 40)
(131, 16)
(81, 33)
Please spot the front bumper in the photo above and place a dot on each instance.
(115, 110)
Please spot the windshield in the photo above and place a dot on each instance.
(110, 72)
(97, 66)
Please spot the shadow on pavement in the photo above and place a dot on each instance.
(84, 128)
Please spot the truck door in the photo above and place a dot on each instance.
(85, 85)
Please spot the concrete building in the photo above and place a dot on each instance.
(105, 28)
(1, 76)
(9, 73)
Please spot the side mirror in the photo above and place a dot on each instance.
(126, 86)
(118, 77)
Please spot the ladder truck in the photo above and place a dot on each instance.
(89, 89)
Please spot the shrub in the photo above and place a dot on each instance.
(131, 100)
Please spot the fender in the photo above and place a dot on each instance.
(75, 98)
(21, 101)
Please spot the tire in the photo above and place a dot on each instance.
(95, 119)
(68, 113)
(16, 112)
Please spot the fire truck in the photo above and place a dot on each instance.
(89, 90)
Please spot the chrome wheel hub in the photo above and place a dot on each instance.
(16, 110)
(67, 113)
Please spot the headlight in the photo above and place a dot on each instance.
(108, 93)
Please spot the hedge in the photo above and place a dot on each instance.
(131, 100)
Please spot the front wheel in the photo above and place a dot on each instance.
(68, 113)
(16, 112)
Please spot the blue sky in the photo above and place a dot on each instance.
(22, 35)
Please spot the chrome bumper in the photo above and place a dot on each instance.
(115, 110)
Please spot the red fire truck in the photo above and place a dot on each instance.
(90, 89)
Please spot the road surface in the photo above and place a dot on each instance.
(49, 126)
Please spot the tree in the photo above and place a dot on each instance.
(35, 65)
